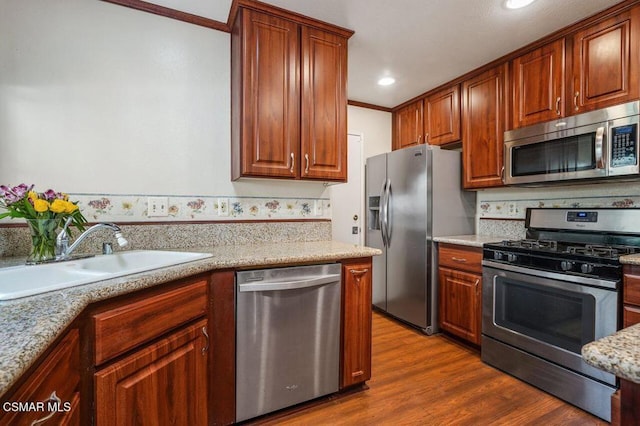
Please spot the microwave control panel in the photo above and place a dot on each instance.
(624, 141)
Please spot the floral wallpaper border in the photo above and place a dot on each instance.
(133, 208)
(516, 209)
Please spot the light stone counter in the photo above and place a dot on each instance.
(470, 240)
(28, 325)
(618, 353)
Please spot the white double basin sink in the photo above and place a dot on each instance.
(27, 280)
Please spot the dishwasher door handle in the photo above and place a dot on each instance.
(288, 285)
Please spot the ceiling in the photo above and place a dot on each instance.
(421, 43)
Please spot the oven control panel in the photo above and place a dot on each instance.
(582, 216)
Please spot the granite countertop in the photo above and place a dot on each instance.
(470, 240)
(630, 259)
(618, 353)
(30, 324)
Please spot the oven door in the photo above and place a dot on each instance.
(548, 314)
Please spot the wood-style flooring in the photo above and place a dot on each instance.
(433, 380)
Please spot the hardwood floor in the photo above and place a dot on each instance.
(432, 380)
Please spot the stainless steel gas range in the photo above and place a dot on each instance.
(548, 295)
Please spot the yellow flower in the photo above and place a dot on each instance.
(32, 195)
(40, 206)
(70, 207)
(58, 206)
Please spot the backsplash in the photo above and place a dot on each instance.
(15, 241)
(133, 208)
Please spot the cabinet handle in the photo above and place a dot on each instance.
(306, 169)
(502, 174)
(419, 139)
(575, 100)
(293, 162)
(52, 398)
(459, 259)
(476, 285)
(206, 347)
(558, 105)
(426, 138)
(359, 272)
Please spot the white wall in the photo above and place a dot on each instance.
(100, 98)
(374, 126)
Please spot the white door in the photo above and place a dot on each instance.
(347, 199)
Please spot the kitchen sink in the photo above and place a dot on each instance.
(27, 280)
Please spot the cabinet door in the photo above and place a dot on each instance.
(270, 96)
(408, 125)
(356, 327)
(538, 85)
(484, 115)
(54, 383)
(442, 123)
(605, 63)
(164, 383)
(460, 298)
(323, 152)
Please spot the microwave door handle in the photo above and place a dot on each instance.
(599, 150)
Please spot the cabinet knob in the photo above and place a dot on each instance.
(293, 162)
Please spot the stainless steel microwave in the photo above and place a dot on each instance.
(592, 145)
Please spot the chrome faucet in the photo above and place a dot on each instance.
(64, 250)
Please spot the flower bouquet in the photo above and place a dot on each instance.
(44, 212)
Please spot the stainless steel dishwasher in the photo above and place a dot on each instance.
(287, 337)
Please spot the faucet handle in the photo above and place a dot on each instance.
(107, 248)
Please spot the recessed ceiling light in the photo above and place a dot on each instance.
(517, 4)
(386, 81)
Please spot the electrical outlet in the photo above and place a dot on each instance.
(317, 208)
(157, 206)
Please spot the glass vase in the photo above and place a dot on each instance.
(43, 240)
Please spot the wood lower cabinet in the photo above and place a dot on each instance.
(356, 322)
(460, 291)
(288, 92)
(606, 63)
(538, 85)
(164, 383)
(484, 117)
(54, 384)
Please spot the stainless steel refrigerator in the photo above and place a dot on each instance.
(413, 195)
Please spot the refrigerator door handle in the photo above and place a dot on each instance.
(388, 213)
(383, 213)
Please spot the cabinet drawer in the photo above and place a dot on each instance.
(123, 328)
(460, 257)
(632, 288)
(59, 373)
(631, 315)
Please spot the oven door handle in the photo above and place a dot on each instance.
(594, 282)
(599, 151)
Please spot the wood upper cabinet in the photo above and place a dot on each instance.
(538, 85)
(163, 383)
(484, 117)
(323, 153)
(55, 383)
(442, 116)
(356, 322)
(460, 294)
(289, 103)
(408, 125)
(605, 63)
